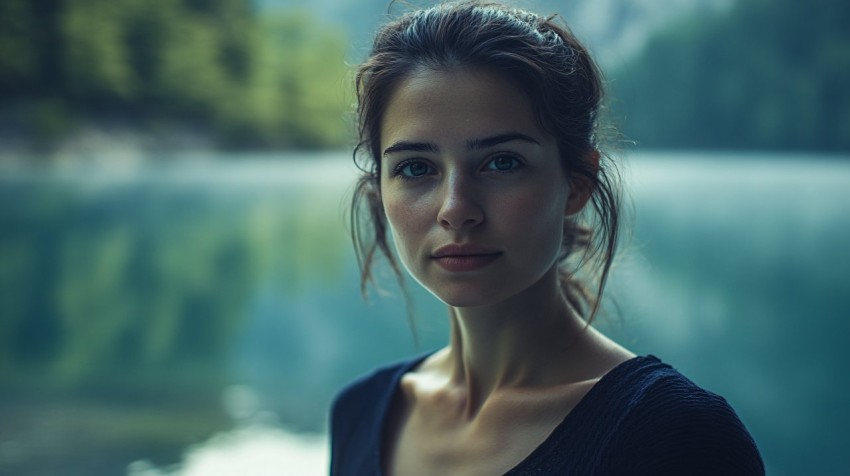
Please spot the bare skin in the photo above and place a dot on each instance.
(451, 417)
(519, 358)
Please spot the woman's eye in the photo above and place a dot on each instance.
(414, 169)
(503, 163)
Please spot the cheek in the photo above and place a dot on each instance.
(540, 214)
(407, 220)
(399, 216)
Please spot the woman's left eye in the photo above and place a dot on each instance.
(503, 163)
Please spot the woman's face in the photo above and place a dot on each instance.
(472, 188)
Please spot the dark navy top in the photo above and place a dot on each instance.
(641, 418)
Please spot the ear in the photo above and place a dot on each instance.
(581, 188)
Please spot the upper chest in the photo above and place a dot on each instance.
(430, 434)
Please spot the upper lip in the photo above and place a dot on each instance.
(463, 249)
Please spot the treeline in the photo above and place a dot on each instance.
(211, 66)
(767, 74)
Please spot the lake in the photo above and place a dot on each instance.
(196, 316)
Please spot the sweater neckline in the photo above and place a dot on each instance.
(581, 408)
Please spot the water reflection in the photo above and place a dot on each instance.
(127, 294)
(144, 310)
(258, 445)
(254, 450)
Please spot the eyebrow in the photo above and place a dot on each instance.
(407, 146)
(499, 139)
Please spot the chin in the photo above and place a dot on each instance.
(465, 297)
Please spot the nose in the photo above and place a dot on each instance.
(460, 208)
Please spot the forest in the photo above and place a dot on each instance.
(765, 75)
(214, 67)
(761, 74)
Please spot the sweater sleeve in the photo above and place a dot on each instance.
(679, 428)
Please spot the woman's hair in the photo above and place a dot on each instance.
(564, 86)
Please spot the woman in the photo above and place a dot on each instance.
(478, 124)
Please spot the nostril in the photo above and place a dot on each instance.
(458, 212)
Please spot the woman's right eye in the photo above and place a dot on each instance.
(413, 169)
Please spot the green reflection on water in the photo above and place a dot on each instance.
(129, 302)
(123, 297)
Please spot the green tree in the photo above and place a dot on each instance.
(763, 75)
(248, 82)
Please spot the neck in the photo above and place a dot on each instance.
(522, 342)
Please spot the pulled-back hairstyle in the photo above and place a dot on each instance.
(564, 86)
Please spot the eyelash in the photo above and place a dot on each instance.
(518, 164)
(398, 170)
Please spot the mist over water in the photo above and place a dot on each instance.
(736, 273)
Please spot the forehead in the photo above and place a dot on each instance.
(461, 104)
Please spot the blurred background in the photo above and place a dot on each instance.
(177, 291)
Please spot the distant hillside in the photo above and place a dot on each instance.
(767, 74)
(249, 74)
(614, 29)
(702, 74)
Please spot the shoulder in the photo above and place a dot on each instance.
(357, 413)
(674, 426)
(364, 391)
(363, 400)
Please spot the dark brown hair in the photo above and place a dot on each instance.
(543, 58)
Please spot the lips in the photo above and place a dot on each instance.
(464, 257)
(465, 249)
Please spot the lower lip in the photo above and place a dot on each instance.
(465, 262)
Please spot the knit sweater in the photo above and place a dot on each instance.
(641, 418)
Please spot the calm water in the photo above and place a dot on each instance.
(230, 288)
